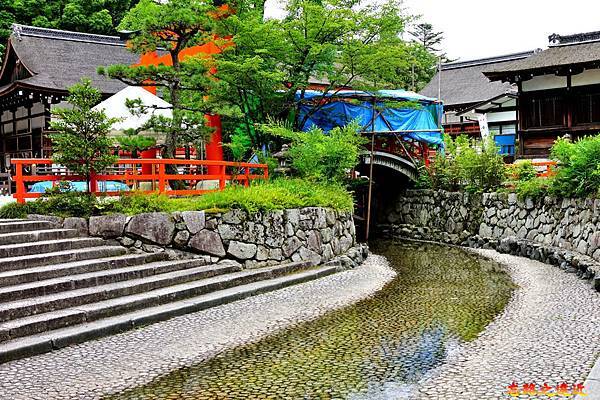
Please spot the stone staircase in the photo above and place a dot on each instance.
(58, 288)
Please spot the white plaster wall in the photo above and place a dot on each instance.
(543, 82)
(504, 116)
(587, 77)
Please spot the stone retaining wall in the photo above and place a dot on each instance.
(436, 215)
(571, 224)
(563, 232)
(310, 234)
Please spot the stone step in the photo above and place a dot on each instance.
(24, 225)
(44, 342)
(80, 281)
(37, 236)
(22, 276)
(74, 298)
(90, 312)
(48, 246)
(35, 260)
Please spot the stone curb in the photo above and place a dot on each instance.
(592, 384)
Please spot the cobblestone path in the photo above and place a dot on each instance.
(93, 369)
(549, 332)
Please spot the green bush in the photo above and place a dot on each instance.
(467, 164)
(14, 210)
(578, 174)
(278, 194)
(524, 171)
(318, 156)
(533, 188)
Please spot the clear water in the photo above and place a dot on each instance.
(379, 348)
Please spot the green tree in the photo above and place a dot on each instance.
(90, 16)
(81, 143)
(172, 27)
(431, 40)
(340, 43)
(134, 142)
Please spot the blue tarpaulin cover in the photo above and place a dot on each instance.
(339, 112)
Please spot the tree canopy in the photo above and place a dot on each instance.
(81, 141)
(90, 16)
(431, 40)
(337, 43)
(171, 28)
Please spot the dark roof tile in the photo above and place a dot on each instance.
(60, 59)
(464, 82)
(555, 57)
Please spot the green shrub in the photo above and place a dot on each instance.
(278, 194)
(525, 171)
(318, 156)
(467, 164)
(578, 174)
(14, 210)
(533, 188)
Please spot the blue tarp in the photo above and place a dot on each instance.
(340, 113)
(103, 186)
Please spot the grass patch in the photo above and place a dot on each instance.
(278, 194)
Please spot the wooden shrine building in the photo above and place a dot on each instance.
(558, 91)
(467, 94)
(38, 68)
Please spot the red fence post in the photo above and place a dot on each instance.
(93, 183)
(222, 177)
(20, 193)
(161, 178)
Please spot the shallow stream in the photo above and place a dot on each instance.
(379, 348)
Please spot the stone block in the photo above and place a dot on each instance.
(80, 224)
(181, 238)
(262, 253)
(290, 246)
(209, 242)
(234, 217)
(314, 241)
(156, 227)
(242, 251)
(107, 226)
(195, 221)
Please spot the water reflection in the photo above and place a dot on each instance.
(379, 348)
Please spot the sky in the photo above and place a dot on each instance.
(485, 28)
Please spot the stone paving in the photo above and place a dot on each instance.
(549, 332)
(111, 364)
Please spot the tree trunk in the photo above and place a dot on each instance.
(176, 123)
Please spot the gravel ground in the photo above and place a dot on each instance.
(93, 369)
(549, 332)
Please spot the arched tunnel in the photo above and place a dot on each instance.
(391, 176)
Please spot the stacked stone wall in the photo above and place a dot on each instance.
(561, 232)
(449, 217)
(258, 239)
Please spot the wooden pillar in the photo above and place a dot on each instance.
(520, 120)
(569, 103)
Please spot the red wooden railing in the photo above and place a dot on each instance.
(129, 171)
(544, 169)
(405, 147)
